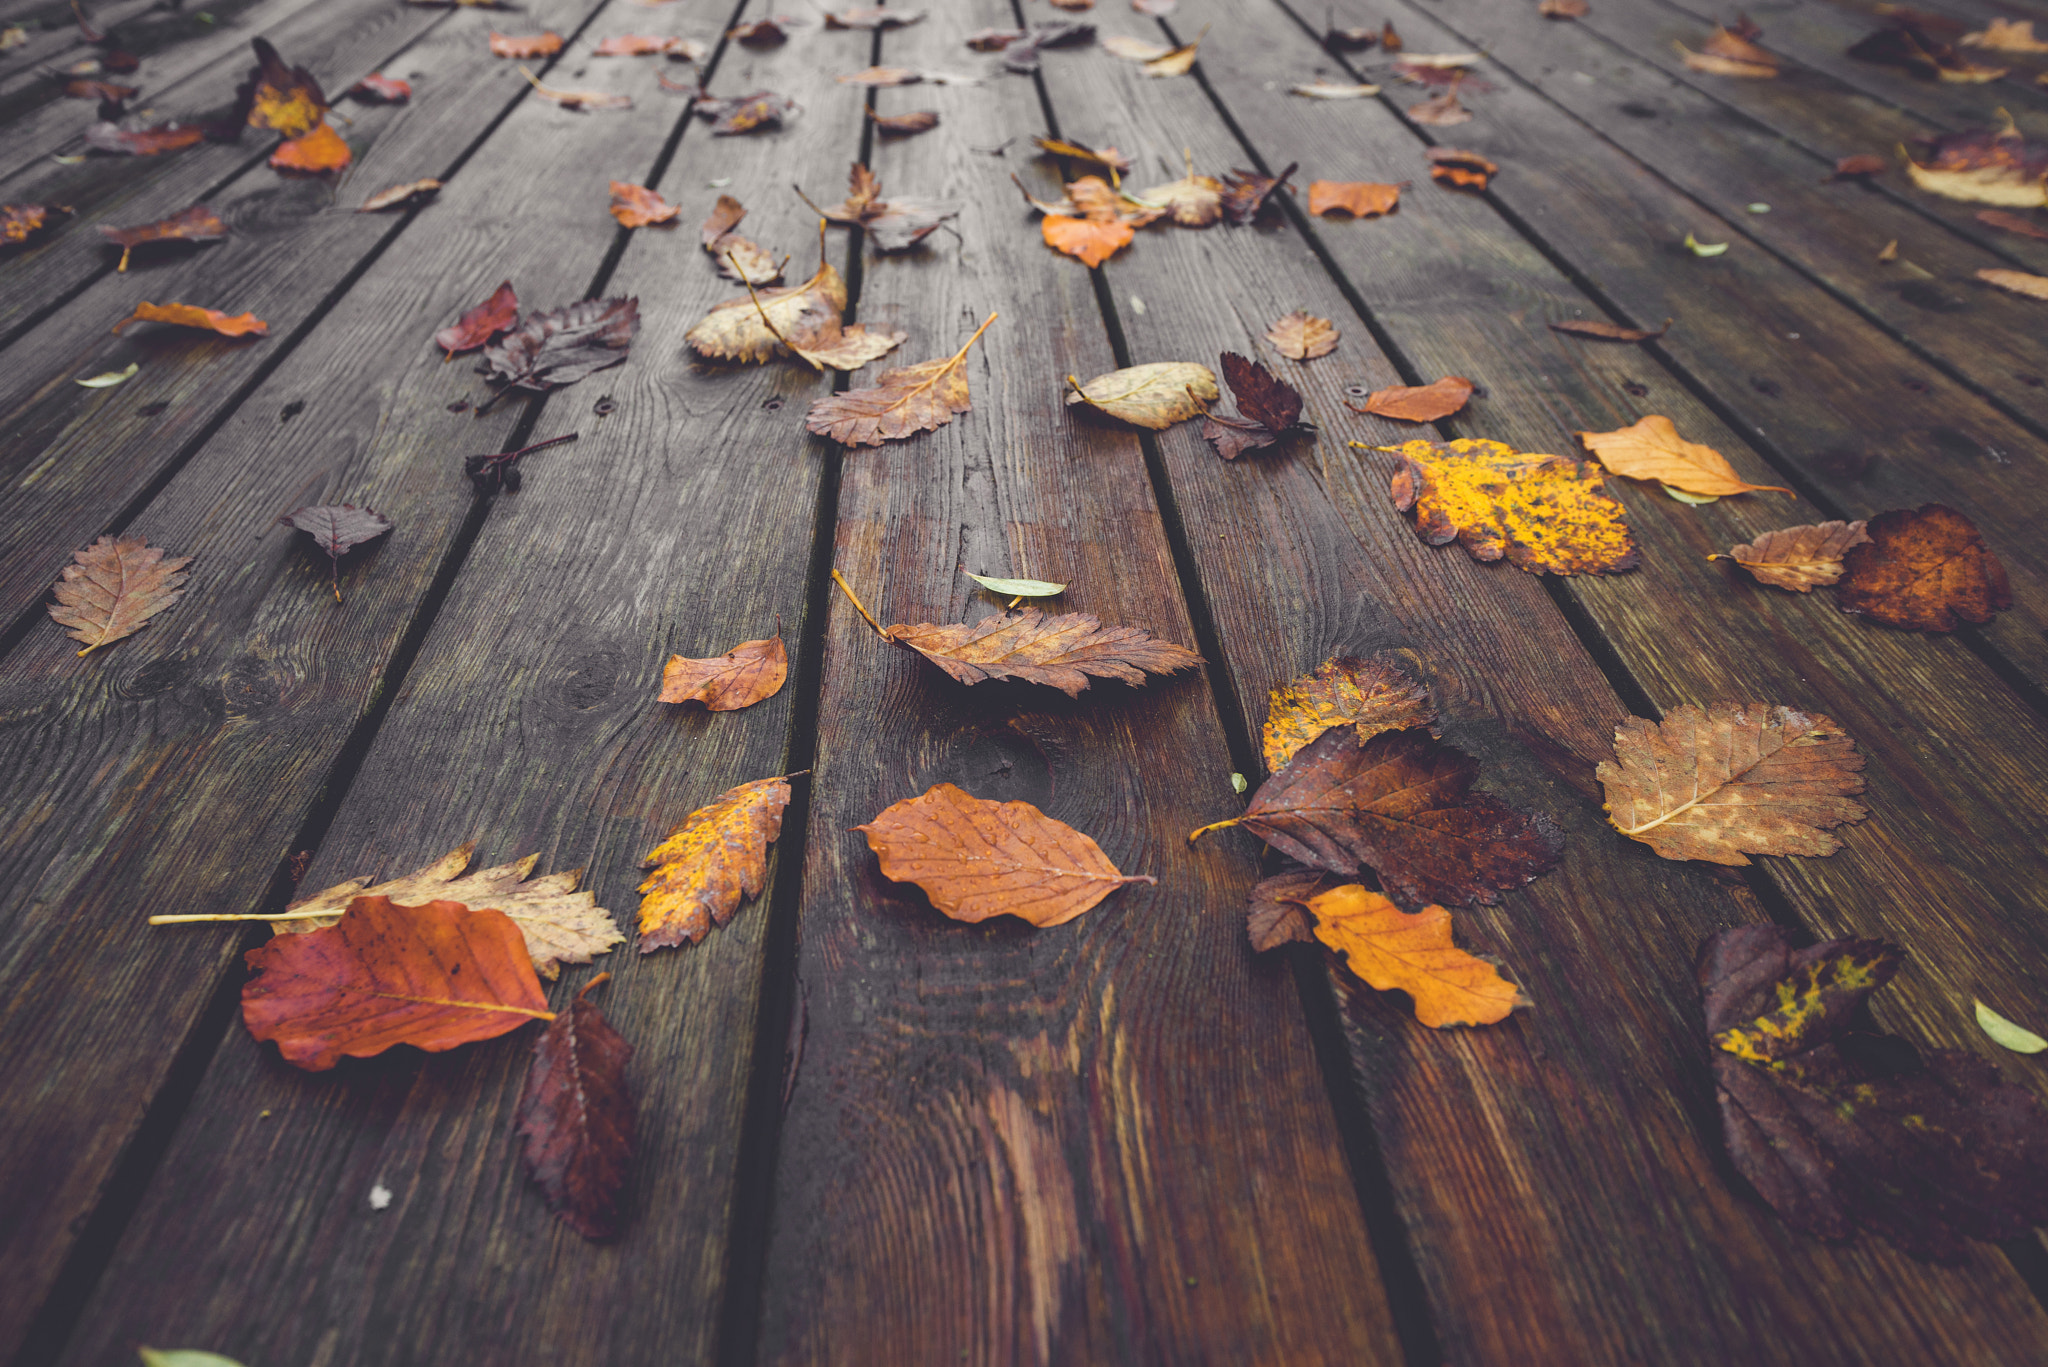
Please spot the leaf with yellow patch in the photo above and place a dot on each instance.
(1652, 449)
(1156, 395)
(806, 315)
(717, 855)
(287, 100)
(1396, 950)
(1370, 696)
(1544, 514)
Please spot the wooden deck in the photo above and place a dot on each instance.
(871, 1135)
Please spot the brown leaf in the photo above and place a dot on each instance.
(114, 588)
(725, 216)
(192, 316)
(338, 528)
(1349, 39)
(1733, 779)
(904, 125)
(806, 315)
(873, 18)
(883, 75)
(1061, 652)
(1245, 193)
(2017, 282)
(2012, 223)
(1545, 514)
(1369, 696)
(747, 113)
(144, 142)
(1390, 41)
(716, 856)
(770, 32)
(1600, 330)
(993, 39)
(1302, 337)
(575, 1117)
(893, 225)
(196, 224)
(1652, 449)
(1461, 170)
(560, 346)
(2006, 35)
(1155, 396)
(1798, 558)
(745, 260)
(1564, 9)
(19, 222)
(106, 92)
(481, 323)
(902, 402)
(1358, 198)
(525, 46)
(1271, 408)
(635, 206)
(976, 859)
(1729, 54)
(1440, 111)
(576, 99)
(1910, 42)
(1192, 201)
(634, 45)
(1418, 403)
(748, 673)
(1985, 166)
(1278, 913)
(1401, 804)
(400, 196)
(1022, 55)
(1924, 569)
(377, 88)
(1177, 62)
(1864, 164)
(1394, 950)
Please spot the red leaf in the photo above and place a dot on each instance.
(481, 323)
(576, 1116)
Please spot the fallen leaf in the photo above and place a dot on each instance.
(2006, 35)
(883, 75)
(575, 1117)
(1985, 166)
(902, 403)
(1564, 9)
(1418, 403)
(184, 1357)
(1863, 164)
(1459, 169)
(636, 206)
(1270, 407)
(1652, 449)
(1395, 950)
(561, 346)
(1369, 696)
(872, 18)
(286, 100)
(1440, 111)
(1699, 248)
(1073, 4)
(113, 588)
(2005, 1033)
(1600, 330)
(1158, 9)
(401, 196)
(806, 315)
(1798, 558)
(1302, 336)
(1087, 240)
(1359, 198)
(434, 976)
(1154, 396)
(637, 45)
(338, 528)
(715, 856)
(1115, 162)
(976, 859)
(747, 113)
(1545, 514)
(1730, 780)
(1134, 49)
(750, 672)
(106, 92)
(196, 224)
(19, 222)
(1245, 193)
(1910, 43)
(2012, 223)
(1278, 912)
(1019, 588)
(893, 225)
(1841, 1128)
(380, 89)
(525, 46)
(1192, 201)
(13, 36)
(1923, 569)
(747, 261)
(481, 323)
(1061, 652)
(770, 32)
(1022, 54)
(144, 142)
(1401, 804)
(109, 378)
(1889, 252)
(993, 39)
(1390, 41)
(904, 125)
(1729, 54)
(577, 99)
(318, 153)
(192, 316)
(1349, 39)
(2017, 282)
(1179, 61)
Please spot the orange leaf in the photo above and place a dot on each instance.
(192, 316)
(743, 676)
(635, 206)
(1392, 949)
(976, 859)
(716, 855)
(319, 152)
(533, 45)
(434, 976)
(1652, 449)
(1418, 403)
(1924, 569)
(1359, 198)
(1092, 242)
(19, 221)
(1060, 652)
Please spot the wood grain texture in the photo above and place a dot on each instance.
(1104, 1142)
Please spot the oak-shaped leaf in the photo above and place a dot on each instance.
(1729, 780)
(286, 100)
(1063, 651)
(1302, 336)
(1358, 198)
(715, 856)
(1652, 449)
(434, 976)
(636, 206)
(1270, 406)
(113, 587)
(480, 324)
(1403, 805)
(1394, 950)
(1245, 192)
(901, 403)
(338, 528)
(975, 858)
(1418, 402)
(556, 347)
(196, 224)
(1844, 1129)
(575, 1117)
(750, 672)
(1985, 166)
(1156, 395)
(1278, 911)
(747, 113)
(760, 327)
(1798, 558)
(1923, 569)
(1544, 514)
(193, 316)
(1368, 696)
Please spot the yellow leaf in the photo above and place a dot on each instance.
(1367, 695)
(1545, 514)
(716, 855)
(1391, 949)
(1652, 449)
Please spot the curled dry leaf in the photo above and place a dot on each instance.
(560, 346)
(875, 17)
(525, 46)
(192, 316)
(1394, 950)
(748, 673)
(377, 88)
(1923, 569)
(2006, 35)
(481, 323)
(1154, 396)
(1600, 330)
(1459, 169)
(19, 222)
(317, 154)
(1440, 111)
(1652, 449)
(1730, 54)
(904, 125)
(1302, 336)
(338, 528)
(1192, 201)
(738, 258)
(758, 328)
(434, 976)
(1278, 911)
(1863, 164)
(401, 196)
(1798, 558)
(1115, 162)
(1418, 403)
(113, 588)
(1368, 696)
(636, 206)
(1544, 514)
(575, 1117)
(1270, 406)
(1062, 652)
(1333, 90)
(1985, 166)
(1730, 780)
(125, 140)
(1134, 49)
(106, 92)
(1245, 193)
(196, 224)
(1358, 198)
(1909, 41)
(576, 100)
(747, 113)
(976, 859)
(286, 100)
(993, 39)
(716, 856)
(1178, 61)
(2017, 282)
(883, 75)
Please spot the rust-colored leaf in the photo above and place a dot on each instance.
(1985, 166)
(2017, 282)
(575, 1117)
(114, 587)
(636, 206)
(976, 859)
(883, 75)
(434, 976)
(318, 153)
(1178, 61)
(144, 142)
(1600, 330)
(576, 100)
(1652, 449)
(337, 529)
(1418, 403)
(1730, 54)
(1090, 242)
(1730, 780)
(1278, 912)
(1798, 558)
(1395, 950)
(716, 856)
(1245, 193)
(637, 45)
(401, 196)
(106, 92)
(1924, 569)
(904, 125)
(1863, 164)
(192, 316)
(1545, 514)
(2012, 223)
(1062, 652)
(1369, 696)
(481, 323)
(378, 88)
(196, 224)
(1441, 110)
(525, 46)
(1403, 805)
(286, 100)
(1564, 9)
(1459, 169)
(1302, 336)
(748, 673)
(1358, 198)
(902, 402)
(19, 222)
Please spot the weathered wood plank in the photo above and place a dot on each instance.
(173, 770)
(1103, 1142)
(53, 40)
(677, 523)
(1606, 1178)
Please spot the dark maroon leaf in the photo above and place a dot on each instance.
(1349, 39)
(1278, 912)
(1245, 192)
(1260, 396)
(337, 528)
(576, 1117)
(1232, 437)
(563, 345)
(501, 469)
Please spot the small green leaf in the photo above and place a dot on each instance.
(1699, 248)
(110, 378)
(185, 1357)
(1683, 497)
(1019, 588)
(1759, 208)
(2002, 1031)
(1237, 782)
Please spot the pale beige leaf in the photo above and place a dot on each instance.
(1156, 395)
(804, 315)
(1303, 336)
(1134, 49)
(1193, 201)
(2017, 282)
(1652, 449)
(1798, 558)
(1178, 62)
(114, 588)
(1333, 90)
(902, 402)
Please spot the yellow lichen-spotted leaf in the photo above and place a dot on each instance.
(1652, 449)
(286, 100)
(1545, 514)
(1156, 395)
(1392, 949)
(1368, 695)
(708, 862)
(1812, 1002)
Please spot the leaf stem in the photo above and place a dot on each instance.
(859, 607)
(766, 321)
(1199, 831)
